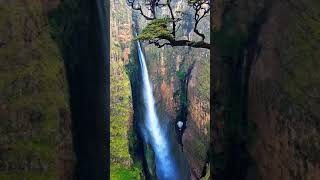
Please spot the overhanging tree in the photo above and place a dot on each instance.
(162, 28)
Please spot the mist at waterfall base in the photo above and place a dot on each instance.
(154, 133)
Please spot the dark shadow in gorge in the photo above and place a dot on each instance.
(182, 113)
(231, 67)
(83, 41)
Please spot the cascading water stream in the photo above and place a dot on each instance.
(165, 164)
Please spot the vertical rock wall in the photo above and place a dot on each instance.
(272, 130)
(284, 93)
(35, 124)
(122, 135)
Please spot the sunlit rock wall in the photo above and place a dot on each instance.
(167, 67)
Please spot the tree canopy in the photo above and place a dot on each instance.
(162, 28)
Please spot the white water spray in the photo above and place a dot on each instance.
(165, 165)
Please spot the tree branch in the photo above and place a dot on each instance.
(137, 7)
(194, 44)
(201, 8)
(173, 18)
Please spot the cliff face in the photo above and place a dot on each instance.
(121, 31)
(122, 136)
(196, 136)
(81, 30)
(180, 79)
(272, 130)
(284, 93)
(35, 140)
(50, 5)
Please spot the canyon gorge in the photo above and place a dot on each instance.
(72, 101)
(180, 82)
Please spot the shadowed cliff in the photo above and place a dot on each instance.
(42, 123)
(35, 124)
(83, 42)
(265, 109)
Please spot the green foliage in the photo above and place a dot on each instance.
(183, 99)
(150, 158)
(125, 173)
(27, 175)
(121, 138)
(207, 176)
(203, 81)
(120, 110)
(181, 74)
(301, 60)
(133, 138)
(183, 89)
(36, 145)
(156, 29)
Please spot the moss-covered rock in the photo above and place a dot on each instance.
(284, 92)
(266, 89)
(123, 138)
(36, 140)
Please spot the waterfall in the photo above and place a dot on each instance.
(165, 164)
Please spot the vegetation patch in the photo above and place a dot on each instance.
(34, 91)
(203, 82)
(122, 165)
(28, 175)
(156, 29)
(300, 60)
